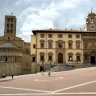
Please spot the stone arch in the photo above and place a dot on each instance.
(78, 54)
(70, 53)
(93, 53)
(92, 46)
(50, 53)
(50, 40)
(42, 53)
(60, 41)
(77, 41)
(42, 40)
(70, 41)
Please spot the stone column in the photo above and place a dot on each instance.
(3, 58)
(10, 58)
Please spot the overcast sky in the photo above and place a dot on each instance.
(45, 14)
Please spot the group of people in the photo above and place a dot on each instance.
(3, 76)
(49, 73)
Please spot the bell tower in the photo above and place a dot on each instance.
(10, 25)
(91, 22)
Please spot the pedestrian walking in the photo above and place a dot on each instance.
(49, 73)
(3, 75)
(35, 72)
(12, 76)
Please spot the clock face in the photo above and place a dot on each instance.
(60, 45)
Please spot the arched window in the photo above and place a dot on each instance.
(50, 55)
(78, 57)
(78, 44)
(70, 42)
(42, 55)
(60, 43)
(50, 43)
(70, 56)
(42, 43)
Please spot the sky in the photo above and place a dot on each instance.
(45, 14)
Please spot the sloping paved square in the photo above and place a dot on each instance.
(76, 82)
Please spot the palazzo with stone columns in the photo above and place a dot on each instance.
(65, 46)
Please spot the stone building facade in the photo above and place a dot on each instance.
(65, 46)
(14, 52)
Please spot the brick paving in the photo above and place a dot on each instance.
(76, 82)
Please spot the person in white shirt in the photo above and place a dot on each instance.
(49, 73)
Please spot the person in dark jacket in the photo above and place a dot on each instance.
(12, 76)
(49, 73)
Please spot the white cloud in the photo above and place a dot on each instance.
(68, 4)
(43, 18)
(45, 14)
(61, 13)
(26, 35)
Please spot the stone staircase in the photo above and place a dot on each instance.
(61, 67)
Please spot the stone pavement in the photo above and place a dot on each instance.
(78, 82)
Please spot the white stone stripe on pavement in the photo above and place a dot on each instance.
(24, 89)
(45, 94)
(74, 86)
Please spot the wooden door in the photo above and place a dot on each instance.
(60, 58)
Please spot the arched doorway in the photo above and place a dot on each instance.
(41, 68)
(93, 57)
(93, 60)
(60, 58)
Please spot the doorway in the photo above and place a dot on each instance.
(60, 58)
(92, 59)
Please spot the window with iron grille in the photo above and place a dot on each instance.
(60, 35)
(42, 44)
(69, 35)
(50, 35)
(42, 58)
(50, 57)
(42, 35)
